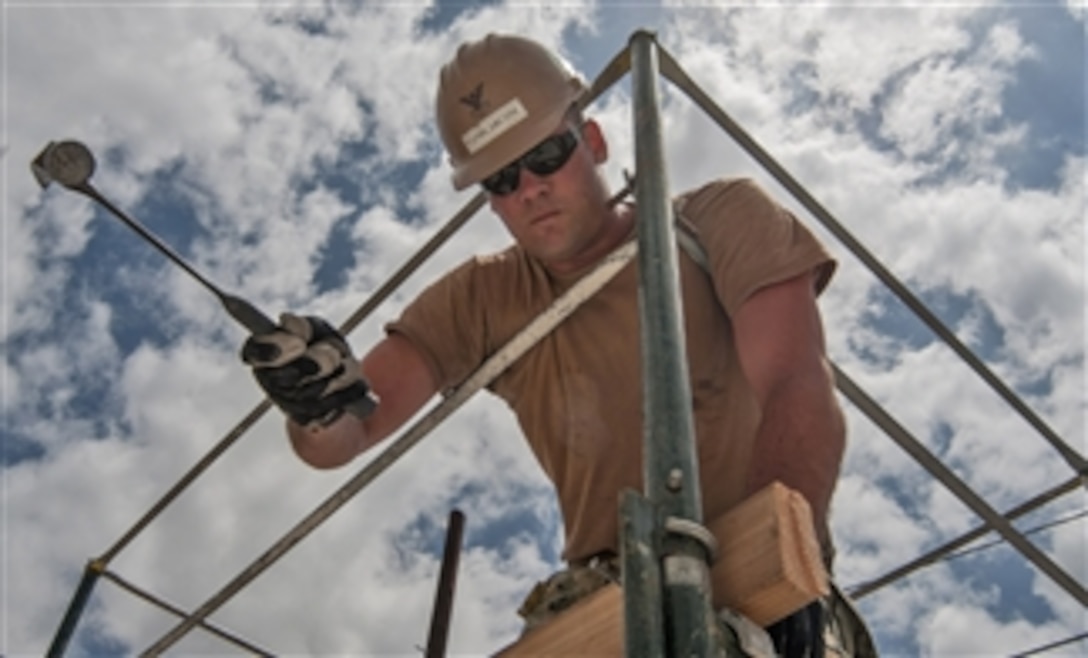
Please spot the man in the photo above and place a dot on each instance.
(763, 399)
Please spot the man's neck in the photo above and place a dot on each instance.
(616, 229)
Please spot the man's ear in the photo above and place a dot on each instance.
(594, 138)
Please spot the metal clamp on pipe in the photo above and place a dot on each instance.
(687, 528)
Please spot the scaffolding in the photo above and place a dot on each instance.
(653, 621)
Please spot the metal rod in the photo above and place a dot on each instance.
(672, 71)
(447, 581)
(246, 314)
(222, 634)
(643, 612)
(72, 164)
(1052, 645)
(958, 487)
(671, 475)
(940, 552)
(242, 311)
(75, 609)
(616, 68)
(443, 235)
(205, 462)
(668, 433)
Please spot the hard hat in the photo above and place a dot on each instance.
(498, 98)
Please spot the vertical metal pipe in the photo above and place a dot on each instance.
(671, 478)
(643, 613)
(447, 580)
(670, 472)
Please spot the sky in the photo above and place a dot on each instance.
(287, 150)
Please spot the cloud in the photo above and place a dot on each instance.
(961, 630)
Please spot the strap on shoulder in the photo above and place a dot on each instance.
(688, 239)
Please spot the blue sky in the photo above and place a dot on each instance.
(287, 150)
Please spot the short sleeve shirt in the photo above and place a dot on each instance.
(577, 394)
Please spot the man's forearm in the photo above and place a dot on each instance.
(331, 446)
(800, 441)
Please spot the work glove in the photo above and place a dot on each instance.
(308, 371)
(801, 635)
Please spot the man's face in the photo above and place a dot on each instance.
(556, 217)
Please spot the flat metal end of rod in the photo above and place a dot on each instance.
(67, 162)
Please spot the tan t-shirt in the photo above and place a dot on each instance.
(577, 394)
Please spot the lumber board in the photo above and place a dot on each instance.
(591, 627)
(769, 562)
(769, 566)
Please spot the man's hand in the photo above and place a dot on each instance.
(307, 369)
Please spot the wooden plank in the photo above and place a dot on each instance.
(591, 627)
(769, 562)
(769, 566)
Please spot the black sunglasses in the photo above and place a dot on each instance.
(544, 159)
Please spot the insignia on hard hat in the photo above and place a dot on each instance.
(475, 98)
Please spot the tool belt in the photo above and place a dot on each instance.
(564, 588)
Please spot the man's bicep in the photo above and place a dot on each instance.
(779, 334)
(401, 379)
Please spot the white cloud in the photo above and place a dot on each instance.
(955, 630)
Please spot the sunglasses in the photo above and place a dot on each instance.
(544, 159)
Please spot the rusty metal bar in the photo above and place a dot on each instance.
(447, 581)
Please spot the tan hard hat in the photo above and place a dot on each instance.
(498, 98)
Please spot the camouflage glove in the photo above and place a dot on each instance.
(307, 369)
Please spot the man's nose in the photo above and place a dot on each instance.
(531, 185)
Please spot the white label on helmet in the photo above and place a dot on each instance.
(494, 125)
